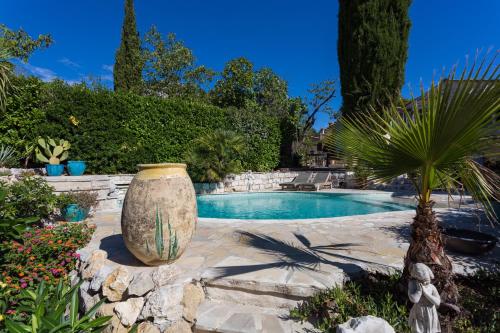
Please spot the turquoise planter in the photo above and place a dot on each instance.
(54, 169)
(76, 168)
(73, 213)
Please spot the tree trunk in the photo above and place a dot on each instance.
(427, 247)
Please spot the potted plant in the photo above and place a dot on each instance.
(52, 152)
(76, 168)
(75, 206)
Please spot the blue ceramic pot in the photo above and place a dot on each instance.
(76, 168)
(74, 213)
(54, 169)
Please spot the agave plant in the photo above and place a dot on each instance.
(436, 140)
(214, 155)
(52, 152)
(7, 155)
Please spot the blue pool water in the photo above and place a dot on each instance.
(294, 205)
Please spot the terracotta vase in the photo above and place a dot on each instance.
(159, 213)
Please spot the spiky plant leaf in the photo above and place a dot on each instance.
(436, 138)
(160, 246)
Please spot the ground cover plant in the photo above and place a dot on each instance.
(39, 264)
(378, 295)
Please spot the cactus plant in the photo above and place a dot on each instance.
(51, 151)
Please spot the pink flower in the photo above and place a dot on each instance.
(10, 312)
(24, 285)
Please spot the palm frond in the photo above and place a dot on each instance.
(454, 121)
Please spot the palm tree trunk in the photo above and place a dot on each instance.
(427, 247)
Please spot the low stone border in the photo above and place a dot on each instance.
(159, 298)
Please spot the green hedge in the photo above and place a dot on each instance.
(116, 131)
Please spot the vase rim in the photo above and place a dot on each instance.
(161, 166)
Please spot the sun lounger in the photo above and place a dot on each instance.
(302, 177)
(320, 180)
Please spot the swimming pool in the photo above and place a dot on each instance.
(294, 205)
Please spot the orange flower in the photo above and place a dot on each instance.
(32, 258)
(21, 274)
(51, 242)
(59, 242)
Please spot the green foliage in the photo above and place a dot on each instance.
(53, 151)
(5, 73)
(437, 139)
(127, 71)
(19, 44)
(12, 227)
(261, 135)
(23, 113)
(28, 197)
(46, 254)
(169, 68)
(7, 156)
(46, 309)
(214, 155)
(84, 199)
(235, 87)
(372, 51)
(113, 132)
(371, 297)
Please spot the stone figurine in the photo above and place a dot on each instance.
(425, 298)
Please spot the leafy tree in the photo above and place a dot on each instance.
(436, 141)
(169, 68)
(127, 71)
(19, 44)
(372, 51)
(235, 87)
(15, 44)
(271, 93)
(214, 155)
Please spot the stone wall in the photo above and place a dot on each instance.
(111, 189)
(160, 298)
(246, 182)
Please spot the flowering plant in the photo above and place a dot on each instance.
(47, 254)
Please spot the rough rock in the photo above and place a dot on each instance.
(115, 326)
(179, 327)
(99, 278)
(141, 284)
(94, 263)
(87, 300)
(365, 324)
(164, 274)
(129, 310)
(116, 283)
(147, 327)
(165, 303)
(193, 296)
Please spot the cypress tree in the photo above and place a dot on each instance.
(127, 71)
(372, 51)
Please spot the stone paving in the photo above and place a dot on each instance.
(274, 264)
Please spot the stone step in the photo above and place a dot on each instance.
(227, 317)
(269, 287)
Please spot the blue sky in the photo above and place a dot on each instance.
(297, 39)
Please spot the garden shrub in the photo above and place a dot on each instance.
(113, 132)
(27, 197)
(39, 267)
(46, 254)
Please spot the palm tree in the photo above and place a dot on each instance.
(435, 140)
(5, 71)
(214, 155)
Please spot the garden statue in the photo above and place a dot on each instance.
(425, 298)
(159, 213)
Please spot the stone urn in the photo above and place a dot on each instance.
(159, 213)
